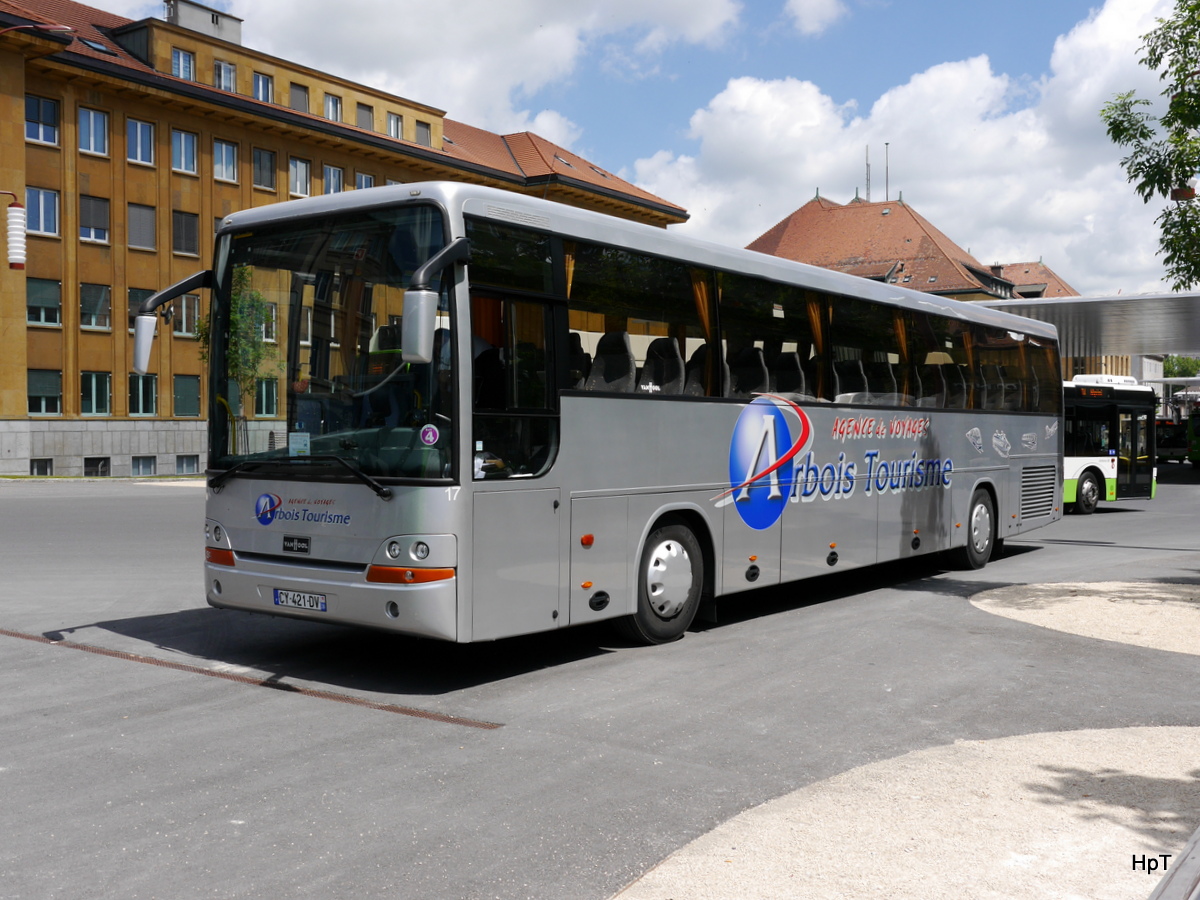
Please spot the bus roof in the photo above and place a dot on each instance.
(531, 212)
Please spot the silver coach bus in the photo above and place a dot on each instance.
(457, 412)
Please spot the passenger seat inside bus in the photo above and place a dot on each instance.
(613, 368)
(747, 373)
(784, 372)
(663, 370)
(579, 361)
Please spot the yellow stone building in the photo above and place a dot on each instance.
(127, 142)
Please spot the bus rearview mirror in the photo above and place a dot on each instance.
(420, 316)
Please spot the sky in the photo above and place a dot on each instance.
(984, 117)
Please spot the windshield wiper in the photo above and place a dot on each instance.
(251, 465)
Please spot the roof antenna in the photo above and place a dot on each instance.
(887, 174)
(868, 173)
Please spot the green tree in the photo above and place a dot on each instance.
(1164, 150)
(1180, 367)
(248, 356)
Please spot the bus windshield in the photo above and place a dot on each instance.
(304, 347)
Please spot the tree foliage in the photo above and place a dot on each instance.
(1164, 150)
(1180, 367)
(248, 356)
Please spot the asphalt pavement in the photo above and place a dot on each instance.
(902, 731)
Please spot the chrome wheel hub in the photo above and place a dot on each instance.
(981, 528)
(668, 578)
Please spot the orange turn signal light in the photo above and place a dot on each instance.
(398, 575)
(218, 556)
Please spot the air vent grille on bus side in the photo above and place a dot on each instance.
(1039, 491)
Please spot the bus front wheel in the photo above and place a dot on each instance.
(670, 584)
(981, 534)
(1087, 494)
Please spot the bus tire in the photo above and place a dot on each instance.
(670, 583)
(981, 532)
(1087, 494)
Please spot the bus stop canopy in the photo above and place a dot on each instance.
(1122, 325)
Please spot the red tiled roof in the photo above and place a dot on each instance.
(1039, 276)
(863, 237)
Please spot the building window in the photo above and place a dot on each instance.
(95, 306)
(95, 393)
(93, 219)
(187, 395)
(333, 107)
(144, 465)
(183, 151)
(395, 126)
(264, 88)
(183, 64)
(264, 168)
(334, 180)
(298, 97)
(225, 160)
(187, 464)
(365, 117)
(265, 397)
(95, 466)
(362, 181)
(41, 120)
(41, 211)
(306, 327)
(143, 395)
(93, 131)
(299, 177)
(45, 392)
(140, 140)
(43, 301)
(185, 232)
(268, 325)
(142, 226)
(424, 134)
(224, 76)
(42, 468)
(187, 312)
(136, 297)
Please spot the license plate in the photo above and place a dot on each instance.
(300, 600)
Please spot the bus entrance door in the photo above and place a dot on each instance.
(1135, 459)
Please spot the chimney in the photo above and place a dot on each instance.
(204, 20)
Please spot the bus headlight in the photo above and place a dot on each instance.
(393, 549)
(420, 550)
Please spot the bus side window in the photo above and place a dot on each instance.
(638, 324)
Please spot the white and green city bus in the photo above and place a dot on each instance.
(588, 419)
(1108, 441)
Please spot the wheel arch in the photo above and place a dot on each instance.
(696, 522)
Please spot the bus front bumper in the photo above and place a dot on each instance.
(344, 598)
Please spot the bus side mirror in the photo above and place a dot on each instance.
(421, 302)
(420, 316)
(143, 338)
(144, 323)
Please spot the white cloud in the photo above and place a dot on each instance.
(811, 17)
(481, 72)
(1012, 176)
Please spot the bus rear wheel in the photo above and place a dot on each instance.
(1087, 494)
(981, 533)
(670, 584)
